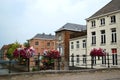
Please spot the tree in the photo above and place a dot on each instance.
(26, 44)
(11, 49)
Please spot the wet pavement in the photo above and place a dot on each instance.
(90, 75)
(3, 71)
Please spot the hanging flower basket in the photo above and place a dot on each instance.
(23, 53)
(49, 58)
(53, 54)
(97, 52)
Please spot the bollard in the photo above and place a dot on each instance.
(9, 66)
(108, 60)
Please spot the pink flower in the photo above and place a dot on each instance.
(53, 54)
(24, 52)
(97, 52)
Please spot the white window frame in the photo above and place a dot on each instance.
(93, 23)
(102, 21)
(93, 38)
(113, 19)
(84, 43)
(103, 37)
(113, 35)
(72, 45)
(77, 44)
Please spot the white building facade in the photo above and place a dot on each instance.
(78, 51)
(103, 30)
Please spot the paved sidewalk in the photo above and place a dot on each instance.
(105, 74)
(114, 75)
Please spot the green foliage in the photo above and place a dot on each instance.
(26, 44)
(11, 49)
(50, 61)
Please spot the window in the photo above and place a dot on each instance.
(113, 19)
(84, 43)
(103, 37)
(114, 51)
(72, 45)
(72, 59)
(104, 57)
(93, 38)
(102, 21)
(77, 59)
(93, 23)
(60, 49)
(113, 35)
(59, 37)
(36, 43)
(52, 43)
(77, 44)
(48, 44)
(84, 59)
(114, 56)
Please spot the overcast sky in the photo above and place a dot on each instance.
(20, 20)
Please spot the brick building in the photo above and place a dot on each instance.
(3, 52)
(63, 36)
(43, 42)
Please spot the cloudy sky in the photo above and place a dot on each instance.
(20, 20)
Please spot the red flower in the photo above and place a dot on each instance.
(97, 52)
(93, 52)
(53, 54)
(24, 52)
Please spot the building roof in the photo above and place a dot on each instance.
(72, 27)
(78, 34)
(44, 36)
(112, 6)
(4, 47)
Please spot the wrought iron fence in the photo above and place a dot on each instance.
(39, 62)
(87, 61)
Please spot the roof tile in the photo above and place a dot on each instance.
(44, 36)
(72, 27)
(114, 5)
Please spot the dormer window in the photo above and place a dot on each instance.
(113, 19)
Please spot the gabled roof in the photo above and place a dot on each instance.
(44, 36)
(112, 6)
(72, 27)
